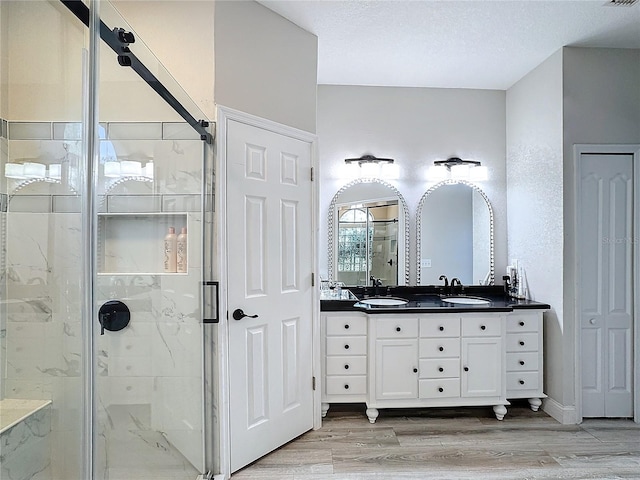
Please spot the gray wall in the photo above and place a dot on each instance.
(265, 65)
(577, 96)
(415, 126)
(534, 196)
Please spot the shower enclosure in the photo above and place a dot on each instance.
(103, 349)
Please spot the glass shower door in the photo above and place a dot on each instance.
(148, 328)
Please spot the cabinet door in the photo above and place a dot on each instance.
(481, 367)
(396, 369)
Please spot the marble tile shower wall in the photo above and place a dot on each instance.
(4, 154)
(155, 362)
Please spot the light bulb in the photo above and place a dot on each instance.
(437, 173)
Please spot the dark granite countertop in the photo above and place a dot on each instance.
(426, 299)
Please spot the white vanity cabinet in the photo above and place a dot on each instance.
(344, 351)
(524, 356)
(436, 361)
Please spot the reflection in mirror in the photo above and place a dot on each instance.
(455, 235)
(368, 232)
(368, 242)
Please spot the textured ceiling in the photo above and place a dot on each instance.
(452, 44)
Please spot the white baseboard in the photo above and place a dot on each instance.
(566, 415)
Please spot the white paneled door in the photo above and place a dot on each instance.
(605, 239)
(270, 261)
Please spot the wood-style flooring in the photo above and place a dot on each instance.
(458, 444)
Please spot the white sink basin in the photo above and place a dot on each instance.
(384, 301)
(467, 300)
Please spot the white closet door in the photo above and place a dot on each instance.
(605, 239)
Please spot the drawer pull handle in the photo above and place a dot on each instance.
(346, 347)
(466, 369)
(521, 342)
(440, 369)
(398, 329)
(346, 386)
(346, 326)
(440, 389)
(521, 382)
(521, 324)
(441, 328)
(483, 327)
(415, 370)
(346, 366)
(521, 362)
(441, 348)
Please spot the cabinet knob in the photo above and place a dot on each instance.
(592, 321)
(441, 328)
(466, 369)
(441, 348)
(521, 342)
(521, 324)
(398, 329)
(521, 362)
(415, 370)
(521, 382)
(346, 347)
(440, 369)
(440, 389)
(346, 326)
(483, 327)
(346, 386)
(346, 366)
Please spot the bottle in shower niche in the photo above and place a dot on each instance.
(170, 251)
(182, 251)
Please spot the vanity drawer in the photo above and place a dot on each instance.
(439, 368)
(346, 345)
(396, 327)
(440, 327)
(346, 365)
(522, 323)
(441, 388)
(522, 380)
(482, 326)
(346, 326)
(517, 362)
(439, 347)
(345, 385)
(523, 342)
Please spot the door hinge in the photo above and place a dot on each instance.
(313, 279)
(312, 174)
(313, 382)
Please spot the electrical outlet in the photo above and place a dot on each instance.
(425, 263)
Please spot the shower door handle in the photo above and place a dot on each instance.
(238, 314)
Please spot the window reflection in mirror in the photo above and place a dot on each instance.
(367, 243)
(368, 234)
(455, 235)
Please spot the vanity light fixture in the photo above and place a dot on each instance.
(373, 167)
(455, 168)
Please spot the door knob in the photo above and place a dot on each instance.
(238, 314)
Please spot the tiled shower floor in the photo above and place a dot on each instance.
(136, 452)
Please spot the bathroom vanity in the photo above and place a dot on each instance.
(432, 353)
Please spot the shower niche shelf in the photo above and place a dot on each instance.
(133, 243)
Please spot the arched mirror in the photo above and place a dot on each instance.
(368, 234)
(454, 234)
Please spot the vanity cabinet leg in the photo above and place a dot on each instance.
(500, 411)
(535, 403)
(324, 407)
(372, 414)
